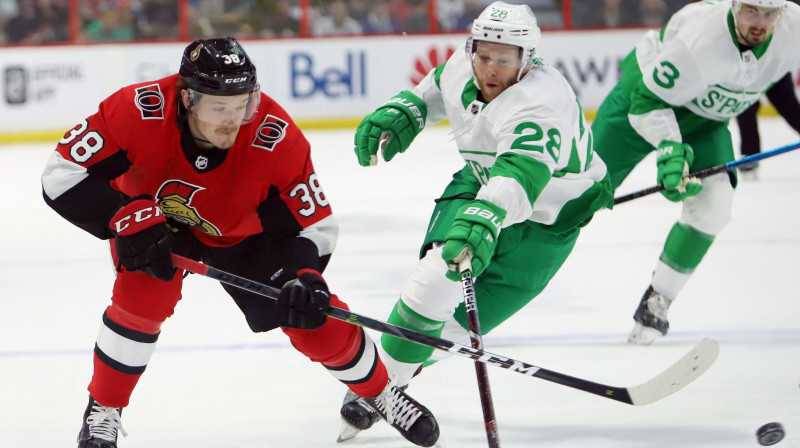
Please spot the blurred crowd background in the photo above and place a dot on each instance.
(52, 21)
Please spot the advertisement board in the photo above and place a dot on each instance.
(321, 82)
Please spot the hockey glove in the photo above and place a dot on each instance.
(143, 240)
(473, 234)
(673, 165)
(302, 301)
(392, 128)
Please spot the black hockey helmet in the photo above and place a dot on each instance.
(218, 66)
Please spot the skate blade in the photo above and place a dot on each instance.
(641, 335)
(347, 432)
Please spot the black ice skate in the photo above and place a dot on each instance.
(651, 318)
(100, 426)
(356, 416)
(414, 421)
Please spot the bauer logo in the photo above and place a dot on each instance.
(430, 60)
(15, 85)
(310, 77)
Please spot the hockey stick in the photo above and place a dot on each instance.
(713, 170)
(475, 337)
(683, 372)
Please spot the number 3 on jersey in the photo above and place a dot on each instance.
(310, 193)
(665, 75)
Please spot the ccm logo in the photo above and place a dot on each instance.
(137, 216)
(234, 80)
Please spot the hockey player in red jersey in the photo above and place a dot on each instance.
(203, 164)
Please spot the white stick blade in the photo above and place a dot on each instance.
(680, 374)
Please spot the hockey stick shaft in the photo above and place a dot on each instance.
(684, 371)
(475, 335)
(744, 161)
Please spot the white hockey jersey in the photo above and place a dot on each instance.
(695, 62)
(530, 148)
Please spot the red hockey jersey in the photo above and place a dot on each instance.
(132, 146)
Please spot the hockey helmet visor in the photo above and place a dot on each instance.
(224, 110)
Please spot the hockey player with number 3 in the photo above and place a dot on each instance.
(678, 90)
(205, 165)
(530, 182)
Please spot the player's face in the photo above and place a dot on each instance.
(755, 23)
(216, 118)
(496, 67)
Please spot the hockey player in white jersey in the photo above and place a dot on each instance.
(530, 182)
(679, 89)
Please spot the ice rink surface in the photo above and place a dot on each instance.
(212, 383)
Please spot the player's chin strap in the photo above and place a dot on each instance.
(683, 372)
(744, 161)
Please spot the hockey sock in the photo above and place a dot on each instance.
(683, 251)
(360, 368)
(407, 351)
(685, 248)
(121, 355)
(346, 351)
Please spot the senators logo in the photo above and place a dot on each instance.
(271, 131)
(150, 102)
(174, 198)
(195, 53)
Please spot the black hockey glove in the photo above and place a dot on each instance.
(302, 301)
(143, 240)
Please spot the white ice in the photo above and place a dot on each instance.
(212, 383)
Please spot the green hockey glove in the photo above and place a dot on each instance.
(673, 163)
(473, 234)
(392, 128)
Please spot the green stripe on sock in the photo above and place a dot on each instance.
(685, 248)
(407, 351)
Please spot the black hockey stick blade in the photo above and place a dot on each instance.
(680, 374)
(749, 160)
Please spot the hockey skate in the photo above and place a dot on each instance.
(651, 318)
(100, 426)
(414, 421)
(356, 416)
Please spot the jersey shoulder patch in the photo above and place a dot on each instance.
(270, 132)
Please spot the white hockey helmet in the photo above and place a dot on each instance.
(762, 3)
(507, 24)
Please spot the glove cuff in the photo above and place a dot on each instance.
(311, 277)
(484, 212)
(135, 216)
(413, 106)
(668, 149)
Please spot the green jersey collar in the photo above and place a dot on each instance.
(470, 93)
